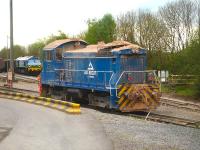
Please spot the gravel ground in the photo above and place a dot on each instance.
(27, 86)
(128, 133)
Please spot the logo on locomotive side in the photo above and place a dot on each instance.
(90, 71)
(90, 66)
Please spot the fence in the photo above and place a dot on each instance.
(182, 79)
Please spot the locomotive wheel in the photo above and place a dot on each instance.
(98, 100)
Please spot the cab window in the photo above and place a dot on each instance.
(59, 53)
(48, 55)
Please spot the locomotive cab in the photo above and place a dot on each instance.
(53, 64)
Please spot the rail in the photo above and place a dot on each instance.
(181, 104)
(174, 120)
(21, 78)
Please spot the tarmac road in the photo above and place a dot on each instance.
(26, 126)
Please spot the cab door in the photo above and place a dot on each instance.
(47, 67)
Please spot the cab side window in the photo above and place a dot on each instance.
(48, 55)
(59, 53)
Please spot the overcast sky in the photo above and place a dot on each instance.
(36, 19)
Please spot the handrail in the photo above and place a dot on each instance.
(80, 70)
(95, 71)
(146, 71)
(133, 72)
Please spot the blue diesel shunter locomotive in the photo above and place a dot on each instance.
(108, 75)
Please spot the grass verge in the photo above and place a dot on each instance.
(181, 90)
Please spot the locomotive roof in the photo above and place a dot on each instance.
(113, 46)
(25, 57)
(58, 43)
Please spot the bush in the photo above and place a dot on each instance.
(197, 84)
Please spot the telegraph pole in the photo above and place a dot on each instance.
(8, 51)
(11, 70)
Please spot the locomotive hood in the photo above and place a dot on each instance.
(102, 49)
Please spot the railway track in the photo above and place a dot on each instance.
(151, 116)
(173, 120)
(191, 106)
(17, 90)
(20, 78)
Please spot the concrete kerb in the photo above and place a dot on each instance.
(73, 107)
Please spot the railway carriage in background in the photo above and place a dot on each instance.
(2, 65)
(28, 65)
(5, 64)
(111, 75)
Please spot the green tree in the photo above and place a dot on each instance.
(4, 53)
(101, 30)
(51, 38)
(18, 51)
(187, 60)
(35, 49)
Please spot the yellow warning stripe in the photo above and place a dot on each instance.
(144, 97)
(48, 99)
(121, 99)
(149, 98)
(127, 92)
(23, 99)
(54, 105)
(17, 97)
(48, 102)
(30, 100)
(122, 90)
(124, 104)
(39, 102)
(146, 91)
(149, 89)
(153, 97)
(129, 103)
